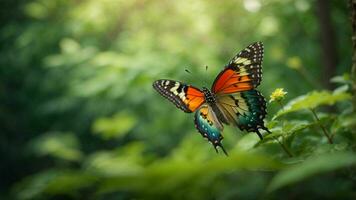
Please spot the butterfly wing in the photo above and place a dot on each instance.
(243, 72)
(245, 110)
(209, 126)
(185, 97)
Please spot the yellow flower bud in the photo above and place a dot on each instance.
(277, 95)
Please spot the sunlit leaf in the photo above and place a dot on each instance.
(53, 182)
(37, 10)
(247, 142)
(313, 100)
(286, 129)
(166, 175)
(311, 167)
(122, 162)
(33, 186)
(343, 79)
(116, 126)
(69, 46)
(59, 145)
(69, 182)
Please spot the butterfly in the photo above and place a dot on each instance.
(232, 99)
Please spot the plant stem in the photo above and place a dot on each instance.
(281, 104)
(279, 142)
(321, 126)
(283, 147)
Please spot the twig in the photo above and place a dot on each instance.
(281, 104)
(279, 142)
(321, 126)
(283, 147)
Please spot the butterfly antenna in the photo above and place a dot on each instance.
(206, 71)
(198, 77)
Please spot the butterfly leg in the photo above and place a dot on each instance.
(222, 147)
(263, 128)
(266, 129)
(259, 134)
(216, 144)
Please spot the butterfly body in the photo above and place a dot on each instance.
(209, 96)
(232, 99)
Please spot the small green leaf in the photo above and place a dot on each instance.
(116, 126)
(247, 142)
(313, 100)
(59, 145)
(296, 125)
(125, 161)
(311, 167)
(68, 182)
(52, 182)
(288, 128)
(343, 79)
(272, 124)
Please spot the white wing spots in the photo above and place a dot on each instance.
(243, 71)
(240, 60)
(244, 61)
(182, 96)
(247, 62)
(174, 89)
(169, 89)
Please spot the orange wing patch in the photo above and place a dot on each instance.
(193, 98)
(230, 81)
(244, 71)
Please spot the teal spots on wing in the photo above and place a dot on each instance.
(253, 118)
(206, 127)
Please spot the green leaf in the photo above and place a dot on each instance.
(53, 182)
(311, 167)
(125, 161)
(60, 145)
(116, 126)
(69, 182)
(288, 128)
(313, 100)
(343, 79)
(296, 125)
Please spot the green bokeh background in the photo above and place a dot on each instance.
(79, 118)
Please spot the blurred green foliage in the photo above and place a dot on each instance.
(80, 120)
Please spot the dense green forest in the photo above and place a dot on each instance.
(79, 118)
